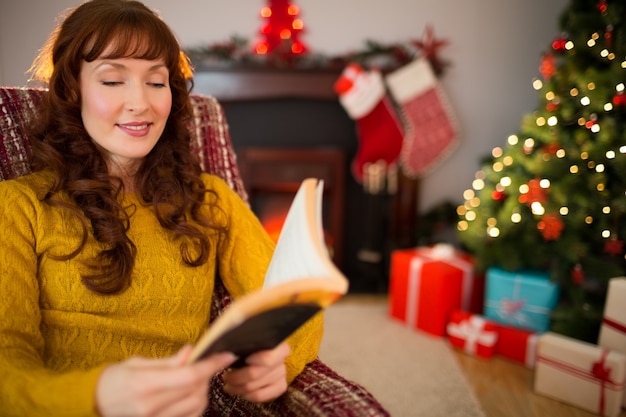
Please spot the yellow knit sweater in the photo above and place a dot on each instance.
(56, 336)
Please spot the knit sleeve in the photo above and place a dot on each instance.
(27, 387)
(244, 256)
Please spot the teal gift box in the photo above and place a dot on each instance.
(520, 298)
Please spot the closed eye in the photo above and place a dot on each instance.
(157, 85)
(111, 83)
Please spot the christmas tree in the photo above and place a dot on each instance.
(281, 32)
(553, 198)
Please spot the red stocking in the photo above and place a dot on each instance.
(379, 129)
(430, 125)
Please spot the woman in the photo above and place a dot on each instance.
(111, 246)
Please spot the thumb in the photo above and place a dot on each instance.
(181, 357)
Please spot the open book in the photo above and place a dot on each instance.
(300, 281)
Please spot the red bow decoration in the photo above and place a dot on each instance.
(603, 373)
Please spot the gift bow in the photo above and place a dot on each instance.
(603, 373)
(442, 251)
(599, 371)
(472, 330)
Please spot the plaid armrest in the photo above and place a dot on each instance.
(317, 392)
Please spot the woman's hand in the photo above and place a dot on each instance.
(158, 387)
(264, 378)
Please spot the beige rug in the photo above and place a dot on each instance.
(411, 373)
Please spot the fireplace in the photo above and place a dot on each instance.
(294, 115)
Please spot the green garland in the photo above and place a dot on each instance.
(237, 52)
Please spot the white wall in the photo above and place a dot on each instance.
(494, 47)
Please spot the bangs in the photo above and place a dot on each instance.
(132, 37)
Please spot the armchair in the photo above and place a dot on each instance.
(318, 390)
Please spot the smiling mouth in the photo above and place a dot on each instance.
(136, 127)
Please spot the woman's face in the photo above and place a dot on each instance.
(125, 106)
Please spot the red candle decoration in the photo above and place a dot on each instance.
(281, 32)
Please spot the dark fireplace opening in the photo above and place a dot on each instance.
(297, 111)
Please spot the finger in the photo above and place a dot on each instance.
(270, 357)
(193, 404)
(165, 386)
(180, 358)
(251, 378)
(266, 393)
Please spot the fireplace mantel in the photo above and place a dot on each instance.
(244, 84)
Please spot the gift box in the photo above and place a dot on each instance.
(472, 333)
(523, 298)
(580, 373)
(426, 284)
(519, 345)
(613, 329)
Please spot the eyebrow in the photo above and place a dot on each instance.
(119, 66)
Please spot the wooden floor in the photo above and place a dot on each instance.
(504, 388)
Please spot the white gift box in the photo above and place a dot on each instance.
(580, 373)
(613, 329)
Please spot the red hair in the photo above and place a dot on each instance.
(168, 177)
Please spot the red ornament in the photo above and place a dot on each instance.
(498, 195)
(578, 276)
(619, 99)
(552, 106)
(614, 247)
(559, 44)
(550, 226)
(551, 149)
(535, 193)
(547, 68)
(602, 6)
(608, 35)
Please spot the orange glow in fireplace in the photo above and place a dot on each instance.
(273, 224)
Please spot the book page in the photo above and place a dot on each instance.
(301, 251)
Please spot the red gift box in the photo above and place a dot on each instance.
(472, 333)
(427, 284)
(517, 344)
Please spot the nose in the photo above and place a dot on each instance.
(136, 99)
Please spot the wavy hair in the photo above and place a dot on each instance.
(168, 177)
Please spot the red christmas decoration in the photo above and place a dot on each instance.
(602, 6)
(559, 44)
(593, 120)
(552, 106)
(614, 247)
(578, 276)
(550, 149)
(498, 195)
(550, 226)
(547, 68)
(608, 35)
(429, 48)
(619, 99)
(281, 32)
(535, 193)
